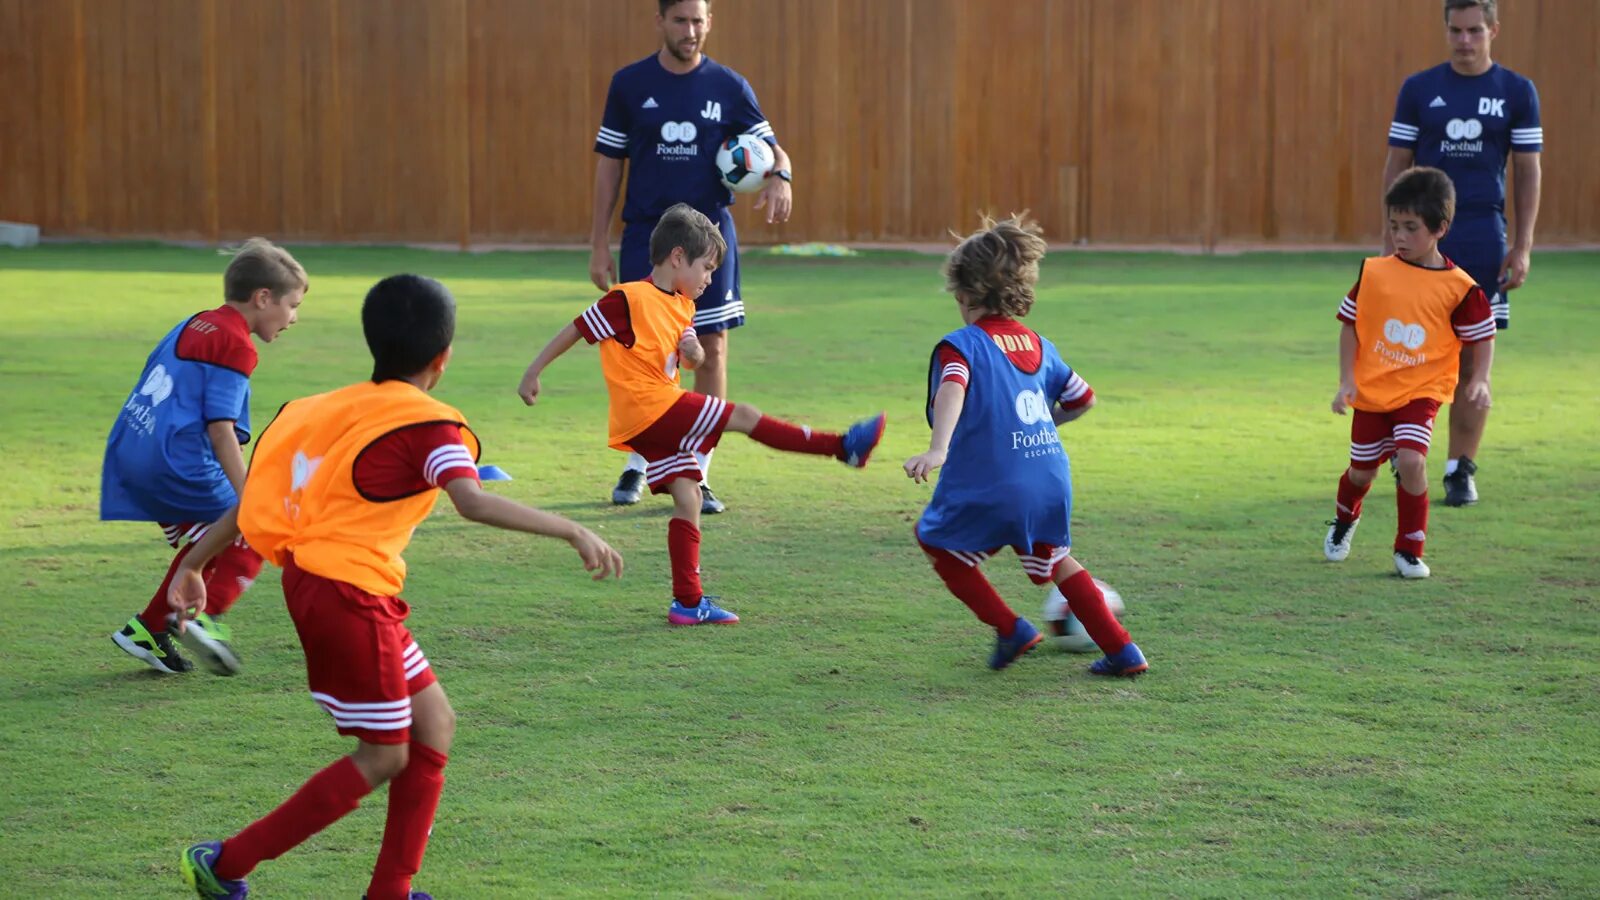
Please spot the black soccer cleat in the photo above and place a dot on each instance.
(154, 648)
(629, 487)
(1459, 487)
(709, 504)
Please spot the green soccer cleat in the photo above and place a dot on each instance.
(197, 863)
(154, 648)
(209, 639)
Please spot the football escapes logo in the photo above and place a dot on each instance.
(677, 139)
(1033, 408)
(156, 388)
(1408, 335)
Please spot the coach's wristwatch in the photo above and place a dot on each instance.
(785, 175)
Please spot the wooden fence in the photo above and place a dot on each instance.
(1117, 121)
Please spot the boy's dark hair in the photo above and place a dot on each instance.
(997, 266)
(408, 320)
(1488, 7)
(257, 264)
(1425, 192)
(668, 4)
(684, 226)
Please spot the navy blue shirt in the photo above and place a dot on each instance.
(668, 127)
(1467, 125)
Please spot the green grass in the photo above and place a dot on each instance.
(1305, 728)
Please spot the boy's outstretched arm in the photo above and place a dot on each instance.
(1346, 395)
(491, 509)
(528, 390)
(187, 594)
(947, 405)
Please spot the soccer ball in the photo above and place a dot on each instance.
(1065, 629)
(744, 161)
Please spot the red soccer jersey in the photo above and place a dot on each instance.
(220, 337)
(1022, 348)
(413, 460)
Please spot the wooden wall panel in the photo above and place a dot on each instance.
(42, 116)
(279, 120)
(1151, 120)
(1138, 121)
(146, 139)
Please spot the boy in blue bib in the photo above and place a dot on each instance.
(996, 392)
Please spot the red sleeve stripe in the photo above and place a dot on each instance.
(1075, 390)
(1347, 309)
(444, 458)
(599, 328)
(1477, 331)
(956, 372)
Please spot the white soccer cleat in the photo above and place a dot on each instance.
(1336, 546)
(1410, 566)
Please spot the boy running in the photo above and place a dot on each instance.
(337, 485)
(173, 456)
(1406, 322)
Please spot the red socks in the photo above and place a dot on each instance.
(1349, 502)
(781, 435)
(971, 587)
(227, 576)
(1412, 527)
(327, 797)
(1089, 605)
(233, 571)
(155, 612)
(413, 799)
(683, 548)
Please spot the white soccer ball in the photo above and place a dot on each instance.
(743, 161)
(1065, 629)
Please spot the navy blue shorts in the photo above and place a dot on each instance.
(1480, 251)
(721, 306)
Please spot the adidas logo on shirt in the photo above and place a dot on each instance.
(1437, 102)
(650, 103)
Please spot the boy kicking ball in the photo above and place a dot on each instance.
(996, 392)
(644, 331)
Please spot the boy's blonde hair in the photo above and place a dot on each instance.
(997, 266)
(259, 263)
(684, 226)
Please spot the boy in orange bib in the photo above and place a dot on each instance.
(337, 485)
(644, 331)
(1405, 324)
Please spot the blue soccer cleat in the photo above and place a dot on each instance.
(1126, 663)
(704, 613)
(197, 873)
(861, 439)
(1008, 650)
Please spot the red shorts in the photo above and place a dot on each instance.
(1040, 563)
(1374, 437)
(361, 663)
(675, 445)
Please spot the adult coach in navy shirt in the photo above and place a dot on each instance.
(666, 115)
(1465, 117)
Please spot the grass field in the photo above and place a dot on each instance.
(1307, 728)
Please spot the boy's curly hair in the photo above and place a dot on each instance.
(997, 266)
